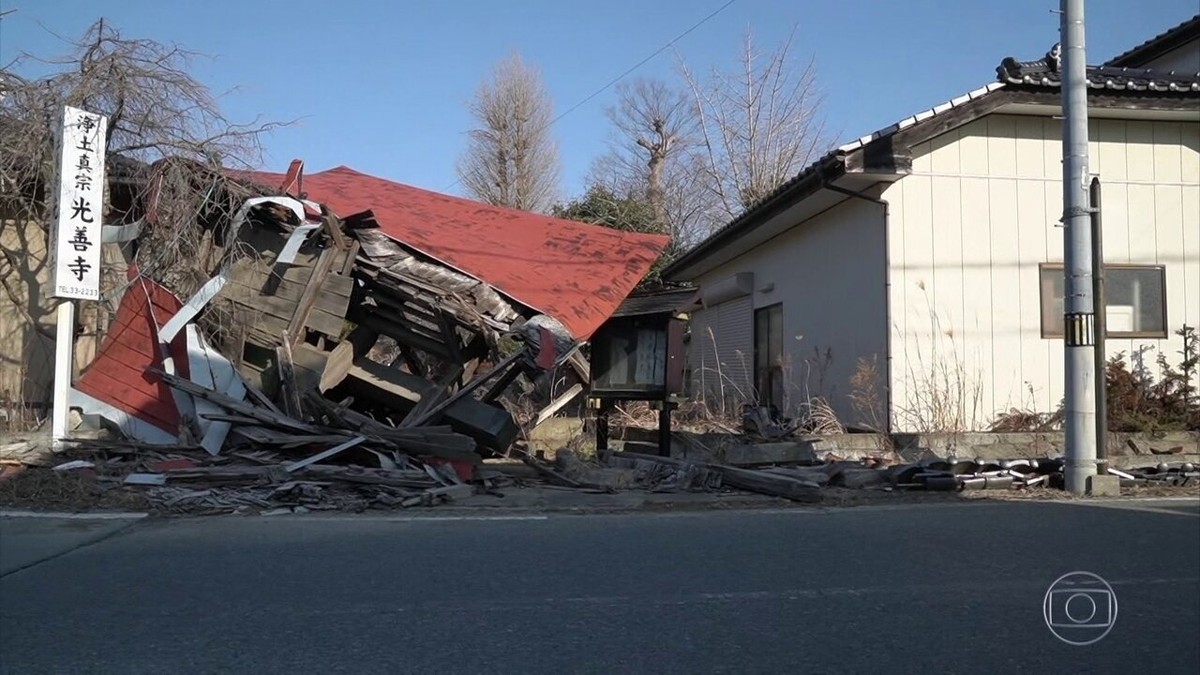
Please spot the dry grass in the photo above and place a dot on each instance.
(943, 393)
(42, 488)
(722, 394)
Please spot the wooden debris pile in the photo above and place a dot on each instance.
(330, 366)
(189, 480)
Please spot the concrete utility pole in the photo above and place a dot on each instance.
(1078, 306)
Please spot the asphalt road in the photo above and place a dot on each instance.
(956, 588)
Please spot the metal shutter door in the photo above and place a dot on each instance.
(702, 358)
(735, 350)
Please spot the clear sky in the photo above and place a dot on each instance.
(382, 85)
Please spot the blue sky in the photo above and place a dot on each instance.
(382, 85)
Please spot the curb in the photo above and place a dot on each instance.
(101, 515)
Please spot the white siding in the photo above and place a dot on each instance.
(968, 230)
(828, 275)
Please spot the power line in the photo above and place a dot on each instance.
(625, 74)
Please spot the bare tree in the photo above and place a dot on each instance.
(657, 124)
(511, 158)
(652, 156)
(169, 150)
(759, 125)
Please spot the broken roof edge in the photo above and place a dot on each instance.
(254, 179)
(250, 178)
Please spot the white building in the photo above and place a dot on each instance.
(932, 250)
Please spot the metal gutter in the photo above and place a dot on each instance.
(804, 184)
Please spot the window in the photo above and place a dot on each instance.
(1135, 299)
(768, 355)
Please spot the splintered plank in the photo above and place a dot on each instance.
(239, 407)
(333, 226)
(288, 390)
(557, 404)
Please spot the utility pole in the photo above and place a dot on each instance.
(1078, 306)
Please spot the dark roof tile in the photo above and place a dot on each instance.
(1045, 73)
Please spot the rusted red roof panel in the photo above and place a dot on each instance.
(574, 272)
(119, 375)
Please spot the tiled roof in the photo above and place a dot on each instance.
(1045, 73)
(1164, 42)
(920, 117)
(753, 211)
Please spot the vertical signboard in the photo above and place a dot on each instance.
(81, 182)
(80, 205)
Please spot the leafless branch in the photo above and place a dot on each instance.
(759, 125)
(511, 158)
(169, 150)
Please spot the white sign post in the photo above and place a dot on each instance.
(76, 241)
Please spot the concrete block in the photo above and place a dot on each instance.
(770, 453)
(1104, 486)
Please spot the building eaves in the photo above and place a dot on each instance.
(666, 301)
(828, 166)
(1040, 74)
(1160, 44)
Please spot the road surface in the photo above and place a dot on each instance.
(922, 588)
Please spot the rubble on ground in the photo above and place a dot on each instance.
(800, 478)
(329, 364)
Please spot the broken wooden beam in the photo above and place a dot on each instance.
(345, 354)
(289, 395)
(761, 482)
(337, 449)
(556, 405)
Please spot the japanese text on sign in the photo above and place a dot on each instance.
(80, 205)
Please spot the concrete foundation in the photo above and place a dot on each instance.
(1103, 486)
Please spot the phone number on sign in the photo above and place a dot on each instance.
(79, 292)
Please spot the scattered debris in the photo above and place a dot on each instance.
(329, 364)
(75, 464)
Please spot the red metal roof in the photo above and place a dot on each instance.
(118, 376)
(574, 272)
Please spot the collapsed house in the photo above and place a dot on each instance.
(358, 315)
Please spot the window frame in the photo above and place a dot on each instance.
(1059, 332)
(765, 392)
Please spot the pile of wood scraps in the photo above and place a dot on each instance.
(326, 366)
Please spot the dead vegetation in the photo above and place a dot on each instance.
(1137, 399)
(169, 146)
(943, 389)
